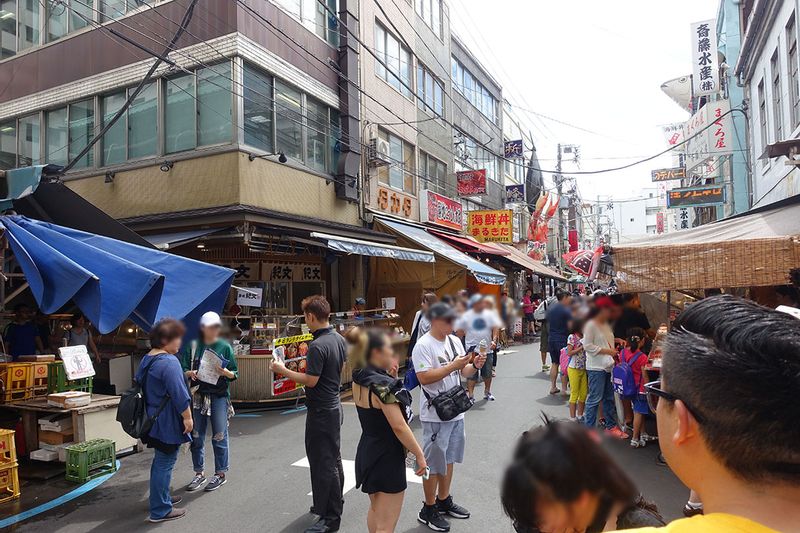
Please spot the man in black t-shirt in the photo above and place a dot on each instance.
(632, 316)
(322, 379)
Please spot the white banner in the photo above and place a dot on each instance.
(705, 78)
(704, 142)
(250, 297)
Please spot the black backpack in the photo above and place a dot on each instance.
(132, 408)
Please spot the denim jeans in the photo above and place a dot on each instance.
(160, 476)
(600, 390)
(219, 435)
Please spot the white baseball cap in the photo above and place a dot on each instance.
(210, 319)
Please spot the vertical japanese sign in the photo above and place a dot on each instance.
(660, 222)
(515, 194)
(471, 182)
(708, 134)
(491, 226)
(513, 149)
(705, 78)
(684, 219)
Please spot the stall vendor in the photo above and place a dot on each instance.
(22, 335)
(79, 335)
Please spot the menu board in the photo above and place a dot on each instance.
(292, 351)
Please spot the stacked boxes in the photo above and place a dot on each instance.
(57, 380)
(16, 381)
(9, 478)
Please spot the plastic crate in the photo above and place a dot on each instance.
(39, 379)
(8, 451)
(57, 380)
(9, 483)
(16, 381)
(91, 459)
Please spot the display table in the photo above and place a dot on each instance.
(94, 421)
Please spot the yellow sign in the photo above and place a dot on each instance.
(283, 341)
(491, 226)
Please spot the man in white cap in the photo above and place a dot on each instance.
(211, 400)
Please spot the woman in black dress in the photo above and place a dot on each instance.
(384, 408)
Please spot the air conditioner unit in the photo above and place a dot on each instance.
(379, 152)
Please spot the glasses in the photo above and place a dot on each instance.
(655, 392)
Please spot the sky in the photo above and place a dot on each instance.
(595, 65)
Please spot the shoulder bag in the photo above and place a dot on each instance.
(452, 402)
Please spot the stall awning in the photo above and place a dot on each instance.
(528, 263)
(469, 245)
(757, 248)
(166, 241)
(481, 271)
(111, 280)
(373, 249)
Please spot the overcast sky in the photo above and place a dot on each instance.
(597, 65)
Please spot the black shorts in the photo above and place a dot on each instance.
(555, 352)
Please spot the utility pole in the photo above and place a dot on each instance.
(597, 235)
(560, 218)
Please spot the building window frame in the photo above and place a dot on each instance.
(777, 96)
(467, 84)
(438, 178)
(793, 71)
(763, 120)
(429, 87)
(401, 173)
(432, 13)
(385, 45)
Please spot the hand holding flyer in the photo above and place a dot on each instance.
(210, 367)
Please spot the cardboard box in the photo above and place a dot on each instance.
(44, 455)
(36, 358)
(54, 437)
(69, 399)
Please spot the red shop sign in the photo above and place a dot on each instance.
(471, 182)
(441, 210)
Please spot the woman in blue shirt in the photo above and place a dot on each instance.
(167, 399)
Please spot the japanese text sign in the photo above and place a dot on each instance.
(394, 202)
(292, 272)
(708, 134)
(471, 182)
(695, 196)
(491, 226)
(513, 149)
(293, 351)
(441, 210)
(250, 297)
(705, 78)
(515, 194)
(666, 174)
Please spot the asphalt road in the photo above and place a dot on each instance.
(266, 493)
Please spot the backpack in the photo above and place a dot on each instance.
(623, 379)
(132, 408)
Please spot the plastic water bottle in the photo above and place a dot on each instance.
(482, 347)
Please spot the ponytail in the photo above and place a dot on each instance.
(362, 343)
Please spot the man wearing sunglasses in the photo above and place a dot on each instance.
(727, 415)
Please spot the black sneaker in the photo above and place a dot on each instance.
(432, 517)
(449, 507)
(215, 482)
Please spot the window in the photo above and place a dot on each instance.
(142, 124)
(430, 94)
(57, 16)
(114, 142)
(433, 171)
(471, 89)
(777, 97)
(81, 131)
(794, 79)
(398, 59)
(314, 16)
(258, 110)
(8, 28)
(400, 173)
(180, 117)
(762, 117)
(289, 120)
(431, 12)
(471, 155)
(214, 105)
(56, 136)
(8, 145)
(29, 141)
(316, 132)
(29, 34)
(110, 9)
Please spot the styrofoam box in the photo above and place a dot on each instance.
(44, 455)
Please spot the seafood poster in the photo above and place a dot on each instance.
(293, 352)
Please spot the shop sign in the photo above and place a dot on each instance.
(515, 194)
(391, 201)
(705, 76)
(77, 364)
(250, 297)
(441, 210)
(293, 352)
(695, 197)
(673, 133)
(666, 174)
(513, 149)
(492, 226)
(704, 142)
(660, 222)
(292, 272)
(684, 219)
(471, 182)
(244, 271)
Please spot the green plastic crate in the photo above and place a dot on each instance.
(90, 459)
(57, 380)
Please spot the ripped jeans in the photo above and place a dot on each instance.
(219, 435)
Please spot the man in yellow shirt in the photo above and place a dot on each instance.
(729, 416)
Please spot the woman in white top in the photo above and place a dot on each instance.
(598, 342)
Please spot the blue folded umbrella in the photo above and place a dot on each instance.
(111, 280)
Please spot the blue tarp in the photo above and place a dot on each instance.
(482, 272)
(110, 280)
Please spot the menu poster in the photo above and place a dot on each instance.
(77, 363)
(292, 351)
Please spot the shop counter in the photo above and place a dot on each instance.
(94, 421)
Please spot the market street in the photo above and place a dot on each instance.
(266, 492)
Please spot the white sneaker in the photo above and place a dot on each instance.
(649, 438)
(637, 443)
(489, 397)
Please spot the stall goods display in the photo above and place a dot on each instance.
(16, 381)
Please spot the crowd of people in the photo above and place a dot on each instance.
(729, 369)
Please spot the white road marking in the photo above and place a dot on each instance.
(350, 473)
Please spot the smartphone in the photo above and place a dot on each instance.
(427, 475)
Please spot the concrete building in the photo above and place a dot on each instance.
(192, 158)
(768, 69)
(637, 218)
